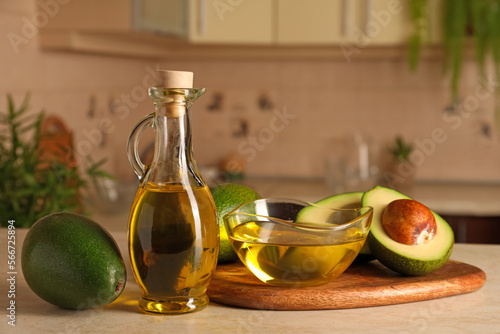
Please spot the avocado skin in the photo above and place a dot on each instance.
(72, 262)
(404, 265)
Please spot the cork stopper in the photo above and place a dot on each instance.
(175, 79)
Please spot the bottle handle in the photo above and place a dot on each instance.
(133, 145)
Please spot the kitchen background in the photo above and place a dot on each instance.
(278, 115)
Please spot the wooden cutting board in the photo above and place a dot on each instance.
(361, 285)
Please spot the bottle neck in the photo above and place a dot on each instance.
(173, 162)
(173, 139)
(173, 156)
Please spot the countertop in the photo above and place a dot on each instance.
(475, 312)
(466, 199)
(474, 199)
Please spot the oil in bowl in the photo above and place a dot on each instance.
(296, 244)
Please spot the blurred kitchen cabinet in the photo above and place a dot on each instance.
(236, 29)
(201, 21)
(360, 22)
(387, 21)
(316, 21)
(208, 21)
(231, 21)
(286, 22)
(161, 16)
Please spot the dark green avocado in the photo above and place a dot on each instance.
(72, 262)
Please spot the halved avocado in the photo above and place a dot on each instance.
(349, 200)
(409, 260)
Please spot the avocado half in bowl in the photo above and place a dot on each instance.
(349, 200)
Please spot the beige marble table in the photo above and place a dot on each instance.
(476, 312)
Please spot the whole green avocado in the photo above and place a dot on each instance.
(227, 197)
(72, 262)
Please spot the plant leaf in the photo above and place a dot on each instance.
(455, 22)
(420, 23)
(29, 187)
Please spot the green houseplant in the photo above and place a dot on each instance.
(401, 150)
(31, 186)
(464, 22)
(400, 171)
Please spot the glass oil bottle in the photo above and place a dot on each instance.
(173, 236)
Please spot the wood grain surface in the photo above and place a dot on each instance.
(362, 285)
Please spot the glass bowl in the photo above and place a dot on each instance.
(291, 243)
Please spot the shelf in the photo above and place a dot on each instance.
(141, 45)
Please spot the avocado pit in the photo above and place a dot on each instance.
(409, 222)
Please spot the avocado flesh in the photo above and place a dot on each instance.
(405, 259)
(350, 200)
(70, 261)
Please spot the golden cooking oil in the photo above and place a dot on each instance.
(173, 245)
(293, 261)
